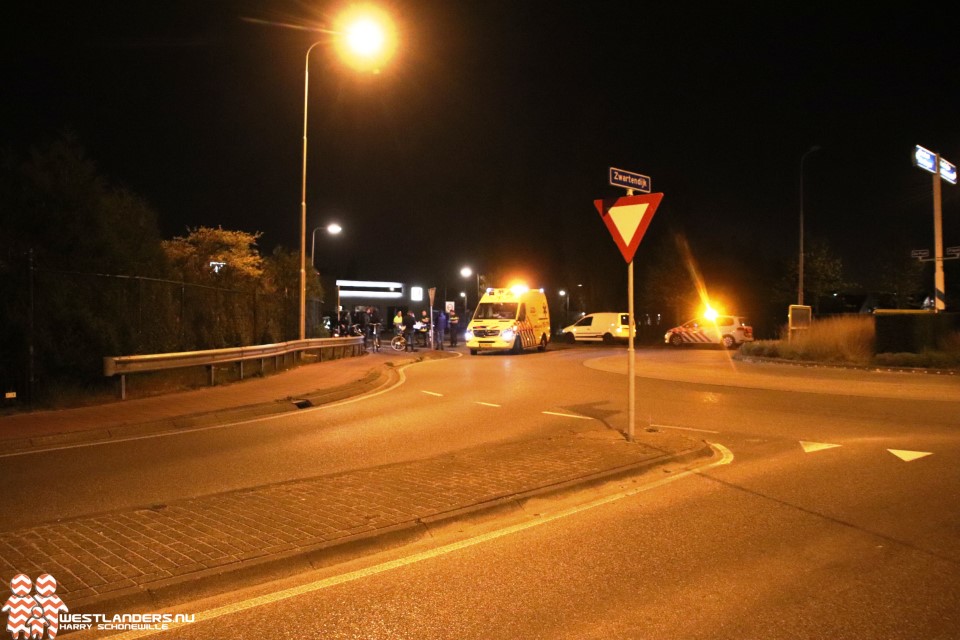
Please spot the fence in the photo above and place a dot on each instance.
(56, 325)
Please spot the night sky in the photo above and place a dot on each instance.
(488, 136)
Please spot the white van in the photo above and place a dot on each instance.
(607, 327)
(509, 319)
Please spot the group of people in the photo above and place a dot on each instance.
(414, 328)
(364, 323)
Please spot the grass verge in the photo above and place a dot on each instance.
(850, 340)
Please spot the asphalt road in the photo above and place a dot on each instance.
(836, 518)
(441, 406)
(771, 546)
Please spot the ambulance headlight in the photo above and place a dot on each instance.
(508, 334)
(468, 335)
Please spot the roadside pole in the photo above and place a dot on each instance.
(939, 284)
(627, 220)
(631, 363)
(941, 170)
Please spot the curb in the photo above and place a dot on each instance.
(178, 589)
(853, 367)
(376, 378)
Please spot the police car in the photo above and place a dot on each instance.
(729, 331)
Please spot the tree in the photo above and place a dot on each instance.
(69, 222)
(822, 275)
(216, 257)
(223, 311)
(902, 277)
(281, 282)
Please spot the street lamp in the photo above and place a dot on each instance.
(800, 266)
(365, 40)
(466, 272)
(333, 229)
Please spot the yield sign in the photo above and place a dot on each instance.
(627, 219)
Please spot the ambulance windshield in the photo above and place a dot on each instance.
(496, 311)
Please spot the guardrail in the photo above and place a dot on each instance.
(325, 348)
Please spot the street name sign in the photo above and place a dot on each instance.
(952, 251)
(920, 253)
(629, 180)
(927, 160)
(627, 219)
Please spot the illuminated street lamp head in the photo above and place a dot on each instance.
(333, 228)
(466, 272)
(367, 37)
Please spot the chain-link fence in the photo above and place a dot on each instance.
(58, 325)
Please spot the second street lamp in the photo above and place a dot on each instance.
(333, 229)
(800, 265)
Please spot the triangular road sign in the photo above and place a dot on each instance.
(627, 219)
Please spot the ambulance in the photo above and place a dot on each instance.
(511, 319)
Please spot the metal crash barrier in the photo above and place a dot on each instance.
(324, 348)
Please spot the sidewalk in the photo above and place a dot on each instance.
(137, 559)
(316, 383)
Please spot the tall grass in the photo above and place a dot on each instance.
(851, 340)
(844, 339)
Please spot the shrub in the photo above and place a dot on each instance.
(843, 339)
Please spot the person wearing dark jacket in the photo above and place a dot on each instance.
(454, 323)
(439, 329)
(408, 330)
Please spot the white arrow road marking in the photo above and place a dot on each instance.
(567, 415)
(909, 456)
(432, 393)
(810, 447)
(627, 219)
(488, 404)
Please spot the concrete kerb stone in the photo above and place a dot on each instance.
(169, 592)
(375, 379)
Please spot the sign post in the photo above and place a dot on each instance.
(941, 170)
(627, 220)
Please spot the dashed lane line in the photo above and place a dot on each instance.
(566, 415)
(670, 426)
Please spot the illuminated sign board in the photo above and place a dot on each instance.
(927, 160)
(369, 289)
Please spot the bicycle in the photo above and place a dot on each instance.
(375, 334)
(399, 343)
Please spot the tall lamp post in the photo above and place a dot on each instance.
(466, 272)
(800, 265)
(367, 39)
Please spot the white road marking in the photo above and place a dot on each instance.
(667, 426)
(432, 393)
(567, 415)
(810, 447)
(487, 404)
(909, 456)
(286, 594)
